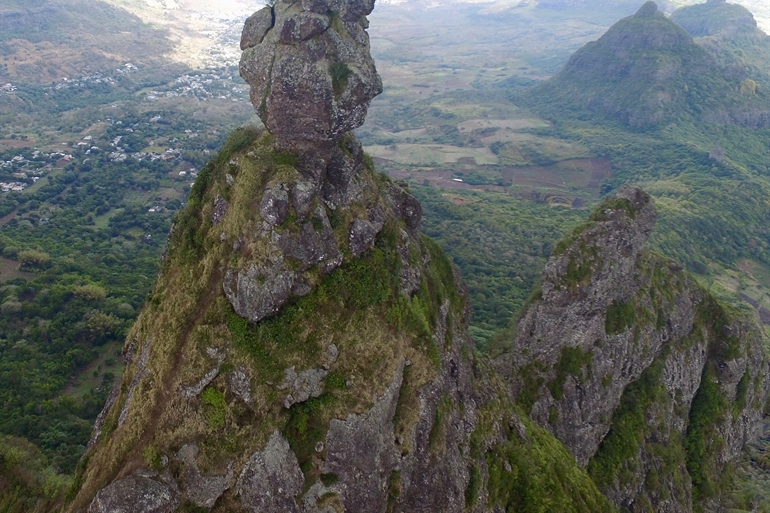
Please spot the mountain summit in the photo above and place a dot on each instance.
(305, 348)
(729, 32)
(647, 71)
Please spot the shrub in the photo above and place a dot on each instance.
(34, 260)
(340, 73)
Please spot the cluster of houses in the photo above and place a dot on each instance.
(169, 154)
(29, 169)
(95, 78)
(203, 86)
(12, 186)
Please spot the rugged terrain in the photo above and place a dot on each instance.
(647, 379)
(305, 348)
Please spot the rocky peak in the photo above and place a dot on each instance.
(310, 71)
(608, 249)
(649, 8)
(312, 78)
(620, 337)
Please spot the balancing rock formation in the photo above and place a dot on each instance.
(312, 78)
(305, 348)
(311, 74)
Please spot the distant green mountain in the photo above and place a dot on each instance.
(715, 18)
(45, 40)
(729, 32)
(669, 117)
(646, 71)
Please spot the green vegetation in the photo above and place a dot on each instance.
(581, 266)
(29, 483)
(305, 427)
(340, 73)
(610, 204)
(216, 407)
(500, 243)
(329, 479)
(152, 458)
(619, 317)
(572, 362)
(707, 412)
(474, 485)
(532, 381)
(534, 474)
(64, 322)
(394, 489)
(620, 448)
(436, 437)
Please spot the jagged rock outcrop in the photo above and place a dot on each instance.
(642, 374)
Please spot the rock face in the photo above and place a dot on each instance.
(311, 74)
(623, 348)
(136, 494)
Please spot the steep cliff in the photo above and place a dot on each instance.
(646, 378)
(305, 348)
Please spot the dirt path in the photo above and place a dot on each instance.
(7, 219)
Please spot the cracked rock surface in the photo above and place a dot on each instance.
(310, 71)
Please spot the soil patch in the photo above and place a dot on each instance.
(9, 270)
(7, 219)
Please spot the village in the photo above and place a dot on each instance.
(20, 171)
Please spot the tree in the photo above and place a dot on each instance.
(34, 260)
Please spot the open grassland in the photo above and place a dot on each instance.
(431, 154)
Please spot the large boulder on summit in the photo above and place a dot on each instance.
(310, 71)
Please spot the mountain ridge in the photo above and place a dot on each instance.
(652, 74)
